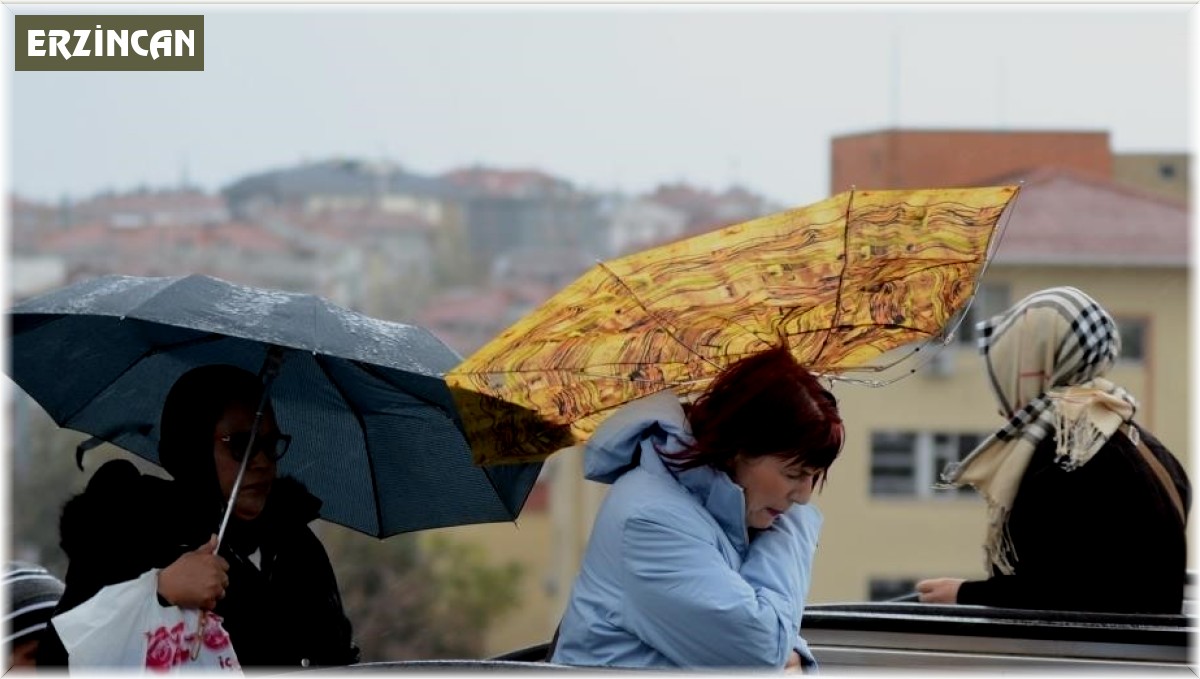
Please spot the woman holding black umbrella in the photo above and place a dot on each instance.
(270, 582)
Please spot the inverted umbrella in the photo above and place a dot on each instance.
(375, 434)
(839, 283)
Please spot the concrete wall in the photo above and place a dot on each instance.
(1165, 174)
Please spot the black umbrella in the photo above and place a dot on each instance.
(375, 434)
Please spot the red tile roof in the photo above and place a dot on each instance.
(475, 307)
(482, 307)
(242, 236)
(708, 210)
(16, 203)
(152, 200)
(466, 318)
(78, 237)
(149, 239)
(1065, 218)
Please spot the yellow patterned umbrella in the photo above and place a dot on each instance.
(839, 282)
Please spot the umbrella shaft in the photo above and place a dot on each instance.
(237, 482)
(269, 371)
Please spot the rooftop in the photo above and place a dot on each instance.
(1062, 217)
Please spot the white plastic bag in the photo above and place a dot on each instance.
(124, 627)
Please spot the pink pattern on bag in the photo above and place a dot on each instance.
(160, 653)
(164, 649)
(168, 648)
(215, 637)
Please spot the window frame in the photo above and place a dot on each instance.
(926, 469)
(1146, 324)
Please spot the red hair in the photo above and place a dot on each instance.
(765, 404)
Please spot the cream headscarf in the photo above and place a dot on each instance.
(1045, 358)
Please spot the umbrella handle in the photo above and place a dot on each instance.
(195, 650)
(269, 372)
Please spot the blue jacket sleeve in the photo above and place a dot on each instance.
(682, 597)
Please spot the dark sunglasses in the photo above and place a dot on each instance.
(273, 446)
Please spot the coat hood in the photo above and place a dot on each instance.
(633, 435)
(614, 449)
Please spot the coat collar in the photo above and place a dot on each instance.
(633, 435)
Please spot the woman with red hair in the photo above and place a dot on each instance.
(702, 551)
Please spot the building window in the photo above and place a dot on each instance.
(893, 458)
(1133, 338)
(887, 589)
(908, 464)
(990, 299)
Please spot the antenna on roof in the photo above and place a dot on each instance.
(184, 179)
(384, 157)
(1001, 93)
(895, 88)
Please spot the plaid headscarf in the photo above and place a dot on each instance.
(1045, 359)
(32, 594)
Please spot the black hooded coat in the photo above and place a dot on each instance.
(284, 612)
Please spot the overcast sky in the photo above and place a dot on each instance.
(617, 97)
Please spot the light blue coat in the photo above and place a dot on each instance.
(670, 578)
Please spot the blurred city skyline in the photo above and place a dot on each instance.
(533, 140)
(618, 98)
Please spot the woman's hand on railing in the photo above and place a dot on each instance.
(939, 590)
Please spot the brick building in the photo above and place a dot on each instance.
(917, 159)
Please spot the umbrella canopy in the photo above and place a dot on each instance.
(839, 283)
(374, 431)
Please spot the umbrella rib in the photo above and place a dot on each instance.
(995, 237)
(499, 496)
(837, 302)
(314, 305)
(521, 505)
(652, 315)
(362, 426)
(748, 244)
(347, 524)
(162, 291)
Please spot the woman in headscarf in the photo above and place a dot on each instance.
(701, 554)
(1087, 510)
(271, 582)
